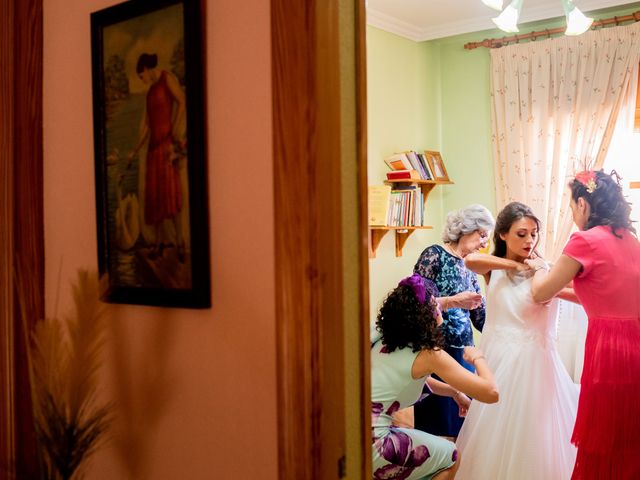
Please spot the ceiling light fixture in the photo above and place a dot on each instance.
(507, 21)
(577, 22)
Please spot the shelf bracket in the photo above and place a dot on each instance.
(401, 239)
(426, 190)
(374, 241)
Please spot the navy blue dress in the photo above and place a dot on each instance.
(435, 414)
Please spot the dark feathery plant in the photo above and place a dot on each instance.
(64, 358)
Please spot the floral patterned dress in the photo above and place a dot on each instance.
(401, 453)
(435, 414)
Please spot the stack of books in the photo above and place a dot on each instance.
(410, 165)
(402, 206)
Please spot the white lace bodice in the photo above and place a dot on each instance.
(513, 316)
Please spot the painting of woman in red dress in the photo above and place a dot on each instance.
(162, 130)
(150, 153)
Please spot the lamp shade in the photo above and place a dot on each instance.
(507, 21)
(495, 4)
(577, 22)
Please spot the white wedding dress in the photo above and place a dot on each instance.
(526, 435)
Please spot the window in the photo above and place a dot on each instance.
(623, 155)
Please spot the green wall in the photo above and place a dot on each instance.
(403, 83)
(466, 126)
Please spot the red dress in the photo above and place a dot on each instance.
(607, 430)
(163, 195)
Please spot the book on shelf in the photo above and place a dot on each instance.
(406, 207)
(398, 161)
(410, 160)
(403, 174)
(414, 159)
(379, 201)
(425, 164)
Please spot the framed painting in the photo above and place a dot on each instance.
(436, 165)
(150, 153)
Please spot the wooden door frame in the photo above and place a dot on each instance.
(21, 226)
(311, 110)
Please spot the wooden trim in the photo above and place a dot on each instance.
(363, 182)
(21, 159)
(504, 41)
(308, 231)
(7, 324)
(29, 227)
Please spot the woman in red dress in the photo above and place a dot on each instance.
(603, 260)
(161, 125)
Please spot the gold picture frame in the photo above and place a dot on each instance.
(436, 165)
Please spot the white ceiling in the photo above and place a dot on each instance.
(429, 19)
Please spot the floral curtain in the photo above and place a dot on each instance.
(554, 108)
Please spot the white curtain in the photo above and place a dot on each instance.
(554, 107)
(571, 336)
(555, 104)
(572, 324)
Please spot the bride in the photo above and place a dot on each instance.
(527, 434)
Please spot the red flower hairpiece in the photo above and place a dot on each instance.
(588, 179)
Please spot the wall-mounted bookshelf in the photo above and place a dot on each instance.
(402, 232)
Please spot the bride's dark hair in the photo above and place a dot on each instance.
(509, 214)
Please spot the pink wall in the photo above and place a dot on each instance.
(196, 390)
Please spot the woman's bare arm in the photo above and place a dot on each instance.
(178, 122)
(466, 300)
(481, 386)
(569, 295)
(482, 263)
(547, 285)
(446, 390)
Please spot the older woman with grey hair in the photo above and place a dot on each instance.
(465, 231)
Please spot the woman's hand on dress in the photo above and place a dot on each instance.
(471, 353)
(463, 403)
(465, 300)
(522, 267)
(537, 263)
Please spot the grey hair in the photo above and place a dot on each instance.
(467, 220)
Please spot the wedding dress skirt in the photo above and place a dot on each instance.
(527, 434)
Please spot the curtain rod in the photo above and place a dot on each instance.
(501, 42)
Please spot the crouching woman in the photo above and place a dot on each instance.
(409, 349)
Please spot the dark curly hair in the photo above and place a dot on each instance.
(607, 202)
(404, 321)
(509, 214)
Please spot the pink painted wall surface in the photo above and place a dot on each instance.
(195, 390)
